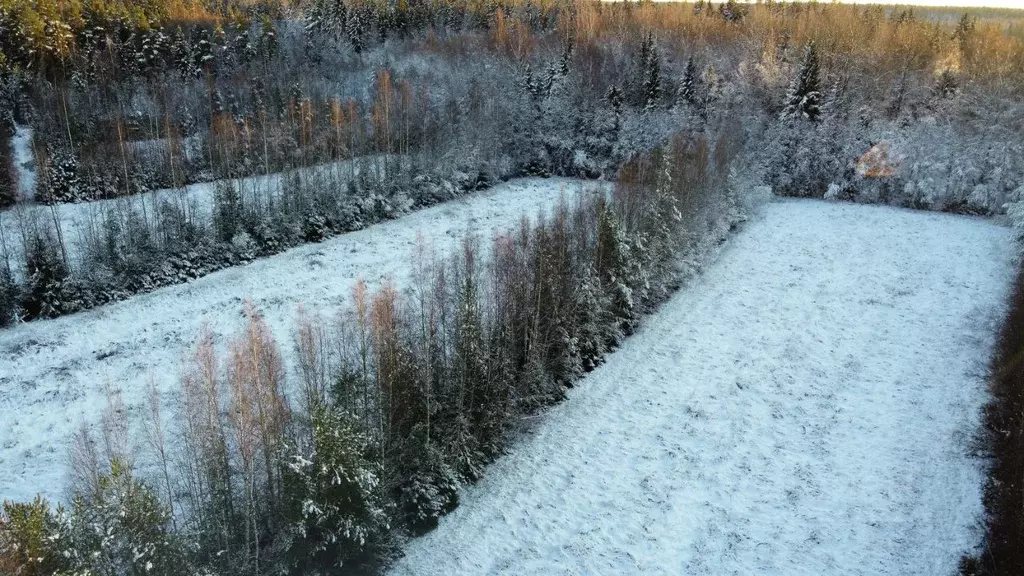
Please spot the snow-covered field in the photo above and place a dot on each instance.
(78, 221)
(804, 407)
(54, 373)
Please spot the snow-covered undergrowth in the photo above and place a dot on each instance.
(54, 373)
(805, 406)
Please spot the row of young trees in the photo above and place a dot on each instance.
(394, 404)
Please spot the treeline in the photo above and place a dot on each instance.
(137, 100)
(1002, 440)
(395, 403)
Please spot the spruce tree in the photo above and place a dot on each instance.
(202, 55)
(355, 27)
(181, 54)
(946, 84)
(963, 36)
(615, 99)
(803, 100)
(121, 527)
(268, 39)
(337, 509)
(688, 86)
(650, 72)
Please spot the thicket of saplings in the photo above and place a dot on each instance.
(459, 95)
(396, 402)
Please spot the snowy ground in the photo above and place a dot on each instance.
(53, 373)
(804, 407)
(24, 162)
(78, 221)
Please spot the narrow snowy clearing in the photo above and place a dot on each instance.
(82, 220)
(24, 162)
(804, 407)
(53, 373)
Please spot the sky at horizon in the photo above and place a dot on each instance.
(958, 3)
(1019, 4)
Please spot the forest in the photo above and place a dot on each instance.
(164, 140)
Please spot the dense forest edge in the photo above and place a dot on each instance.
(1002, 440)
(356, 112)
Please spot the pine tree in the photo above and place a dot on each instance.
(8, 295)
(182, 56)
(613, 267)
(476, 425)
(30, 539)
(241, 47)
(712, 91)
(964, 36)
(202, 53)
(328, 17)
(803, 100)
(946, 84)
(731, 11)
(223, 54)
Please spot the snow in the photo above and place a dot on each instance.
(24, 161)
(79, 220)
(803, 407)
(54, 373)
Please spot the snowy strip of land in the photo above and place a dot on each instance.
(804, 407)
(24, 162)
(53, 373)
(80, 221)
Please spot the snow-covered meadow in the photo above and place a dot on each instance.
(54, 374)
(80, 221)
(806, 406)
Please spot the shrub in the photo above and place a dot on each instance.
(121, 527)
(30, 539)
(337, 507)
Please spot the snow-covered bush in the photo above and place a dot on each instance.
(338, 508)
(121, 527)
(429, 491)
(30, 539)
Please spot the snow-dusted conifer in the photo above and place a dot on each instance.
(203, 52)
(613, 266)
(946, 84)
(650, 73)
(688, 86)
(356, 27)
(121, 527)
(336, 494)
(803, 99)
(181, 54)
(268, 39)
